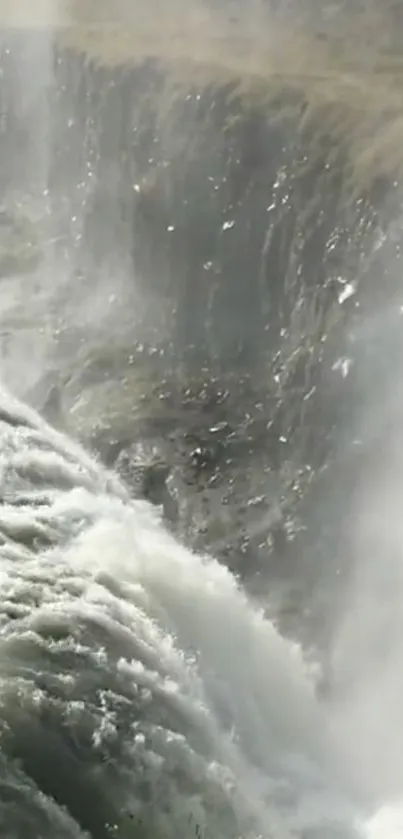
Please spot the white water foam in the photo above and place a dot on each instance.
(109, 626)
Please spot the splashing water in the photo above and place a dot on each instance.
(137, 683)
(140, 692)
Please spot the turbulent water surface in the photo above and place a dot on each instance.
(200, 421)
(141, 693)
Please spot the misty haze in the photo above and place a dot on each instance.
(201, 446)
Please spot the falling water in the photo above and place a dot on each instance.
(140, 691)
(27, 228)
(152, 168)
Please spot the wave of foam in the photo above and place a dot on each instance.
(141, 693)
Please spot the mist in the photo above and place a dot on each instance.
(200, 250)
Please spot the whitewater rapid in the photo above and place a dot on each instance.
(141, 692)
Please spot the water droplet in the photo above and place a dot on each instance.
(343, 365)
(346, 292)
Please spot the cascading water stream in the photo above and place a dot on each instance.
(139, 689)
(142, 692)
(28, 234)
